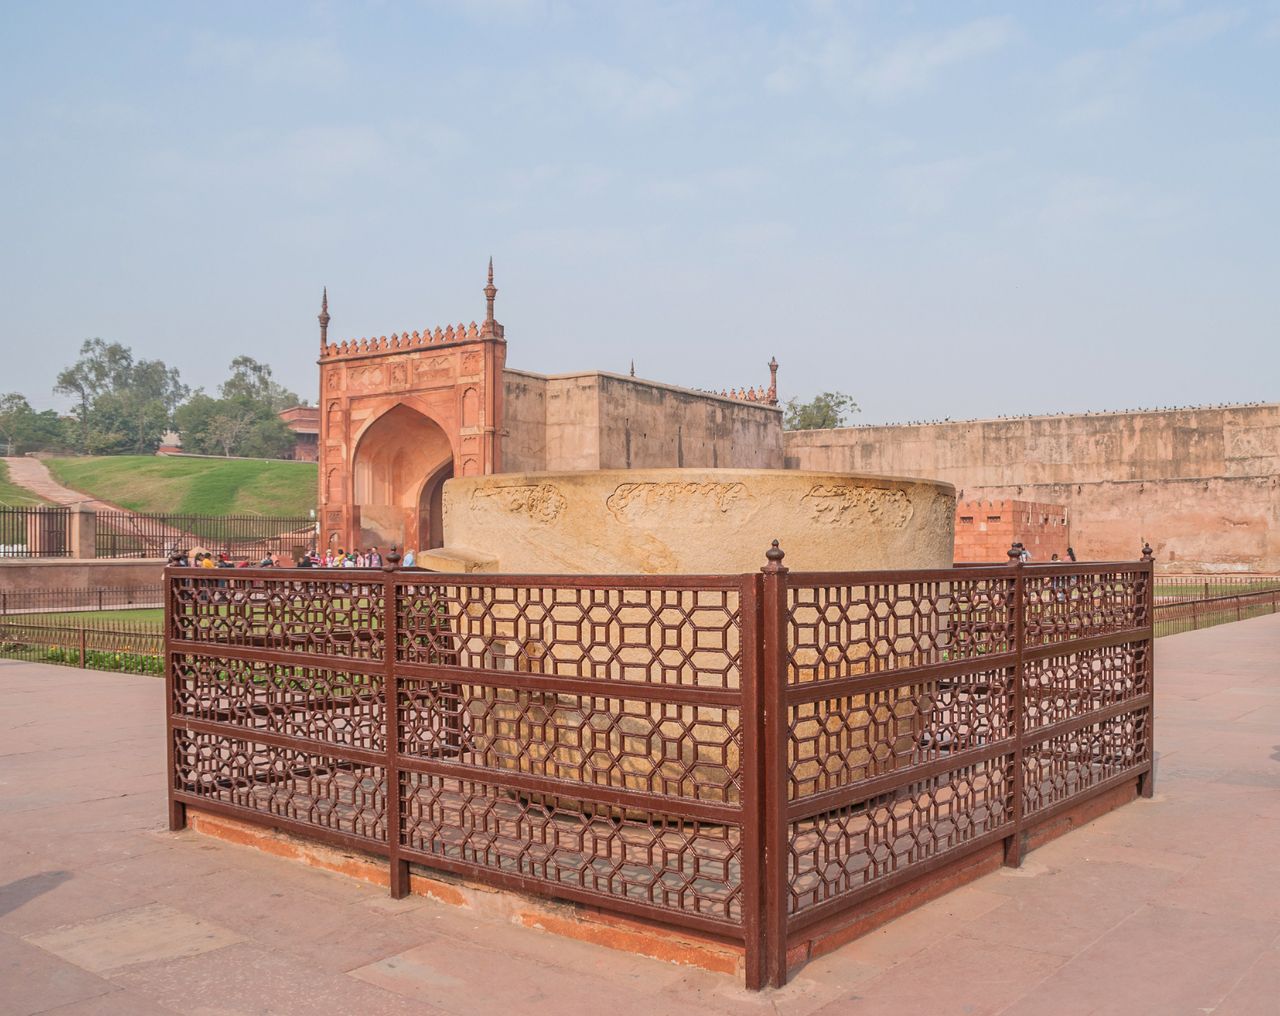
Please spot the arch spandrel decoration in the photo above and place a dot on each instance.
(402, 414)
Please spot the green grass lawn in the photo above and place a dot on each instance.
(13, 496)
(97, 618)
(1195, 589)
(154, 483)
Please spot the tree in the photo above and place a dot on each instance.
(23, 430)
(227, 428)
(252, 381)
(244, 420)
(14, 412)
(123, 406)
(824, 412)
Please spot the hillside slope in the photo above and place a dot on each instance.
(14, 496)
(151, 483)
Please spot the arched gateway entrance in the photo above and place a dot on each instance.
(401, 462)
(399, 416)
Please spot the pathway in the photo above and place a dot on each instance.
(1168, 907)
(35, 476)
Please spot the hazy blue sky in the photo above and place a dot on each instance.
(945, 209)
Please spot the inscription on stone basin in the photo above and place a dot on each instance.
(541, 502)
(836, 504)
(631, 499)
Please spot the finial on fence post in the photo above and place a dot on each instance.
(774, 554)
(323, 318)
(392, 560)
(1147, 553)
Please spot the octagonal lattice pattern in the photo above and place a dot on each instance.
(674, 864)
(322, 616)
(677, 750)
(318, 704)
(289, 783)
(838, 852)
(1074, 684)
(674, 636)
(837, 631)
(1067, 765)
(1060, 607)
(836, 742)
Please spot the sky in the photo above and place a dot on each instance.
(942, 209)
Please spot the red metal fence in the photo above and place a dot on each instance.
(130, 534)
(129, 646)
(1187, 608)
(743, 755)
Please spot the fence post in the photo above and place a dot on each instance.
(177, 810)
(754, 891)
(1147, 780)
(83, 655)
(399, 868)
(773, 684)
(1015, 845)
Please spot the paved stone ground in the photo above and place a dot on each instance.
(1166, 907)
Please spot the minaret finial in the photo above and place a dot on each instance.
(633, 368)
(773, 381)
(491, 326)
(323, 318)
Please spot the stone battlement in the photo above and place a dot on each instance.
(406, 340)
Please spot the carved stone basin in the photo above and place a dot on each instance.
(687, 521)
(698, 521)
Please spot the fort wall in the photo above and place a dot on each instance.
(597, 420)
(1203, 485)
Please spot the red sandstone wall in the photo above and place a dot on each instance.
(985, 530)
(54, 573)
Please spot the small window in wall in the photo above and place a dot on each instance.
(993, 518)
(966, 520)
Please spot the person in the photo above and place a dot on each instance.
(1024, 555)
(207, 561)
(408, 559)
(224, 561)
(305, 560)
(1054, 558)
(267, 562)
(375, 558)
(1071, 555)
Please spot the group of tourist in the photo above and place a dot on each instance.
(339, 558)
(371, 558)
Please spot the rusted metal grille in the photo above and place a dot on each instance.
(743, 755)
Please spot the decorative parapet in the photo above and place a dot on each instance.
(403, 340)
(491, 329)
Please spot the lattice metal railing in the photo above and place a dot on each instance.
(740, 755)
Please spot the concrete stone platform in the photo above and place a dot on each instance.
(1167, 906)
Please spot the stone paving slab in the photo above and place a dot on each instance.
(1166, 906)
